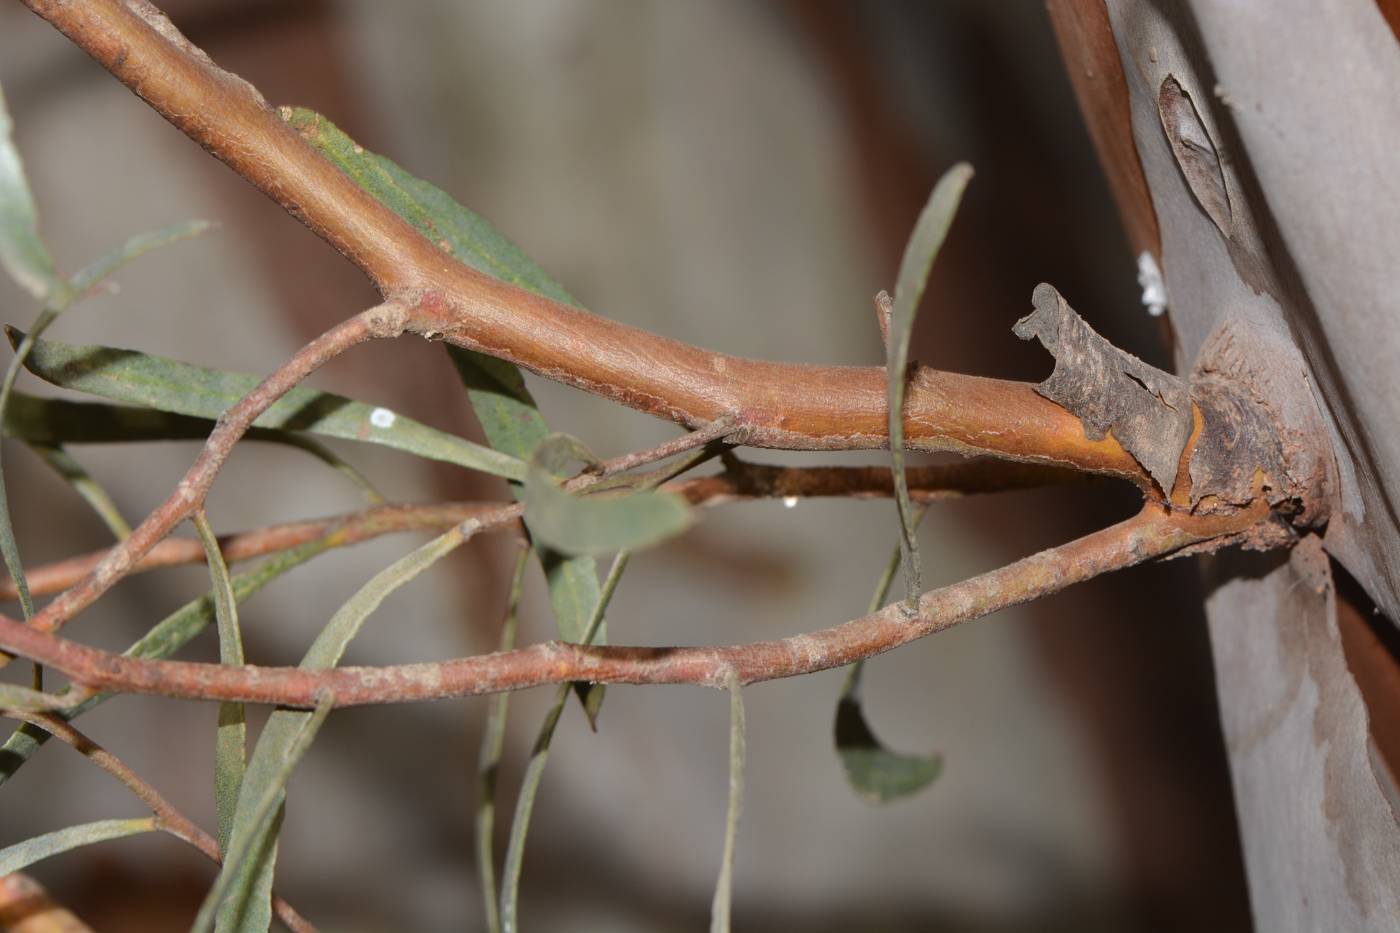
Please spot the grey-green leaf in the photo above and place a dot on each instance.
(181, 388)
(464, 233)
(875, 773)
(249, 884)
(23, 854)
(508, 414)
(575, 524)
(22, 252)
(919, 253)
(112, 260)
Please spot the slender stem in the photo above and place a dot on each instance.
(381, 321)
(352, 528)
(722, 905)
(1153, 533)
(167, 817)
(742, 480)
(773, 405)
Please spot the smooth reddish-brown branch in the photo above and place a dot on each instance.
(381, 321)
(1153, 533)
(742, 480)
(167, 818)
(772, 404)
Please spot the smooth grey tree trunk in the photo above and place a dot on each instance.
(1268, 132)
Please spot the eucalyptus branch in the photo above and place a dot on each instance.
(167, 817)
(773, 404)
(1154, 532)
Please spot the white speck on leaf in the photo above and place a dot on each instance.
(382, 418)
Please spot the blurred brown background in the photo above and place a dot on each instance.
(740, 175)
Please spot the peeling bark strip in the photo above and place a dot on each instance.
(1195, 152)
(1148, 411)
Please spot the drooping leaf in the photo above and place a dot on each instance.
(249, 907)
(22, 251)
(574, 524)
(48, 423)
(488, 763)
(23, 854)
(170, 386)
(539, 755)
(919, 253)
(248, 885)
(508, 414)
(875, 773)
(513, 424)
(230, 743)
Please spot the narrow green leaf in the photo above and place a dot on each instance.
(508, 414)
(64, 464)
(488, 764)
(23, 854)
(513, 424)
(503, 405)
(50, 422)
(919, 254)
(574, 524)
(22, 251)
(721, 906)
(230, 743)
(534, 769)
(138, 245)
(246, 908)
(249, 885)
(171, 386)
(875, 773)
(465, 234)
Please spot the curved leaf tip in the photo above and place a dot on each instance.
(875, 773)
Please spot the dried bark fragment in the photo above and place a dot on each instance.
(1148, 411)
(1195, 152)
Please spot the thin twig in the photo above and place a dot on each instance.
(1153, 533)
(167, 817)
(742, 480)
(381, 321)
(773, 404)
(352, 528)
